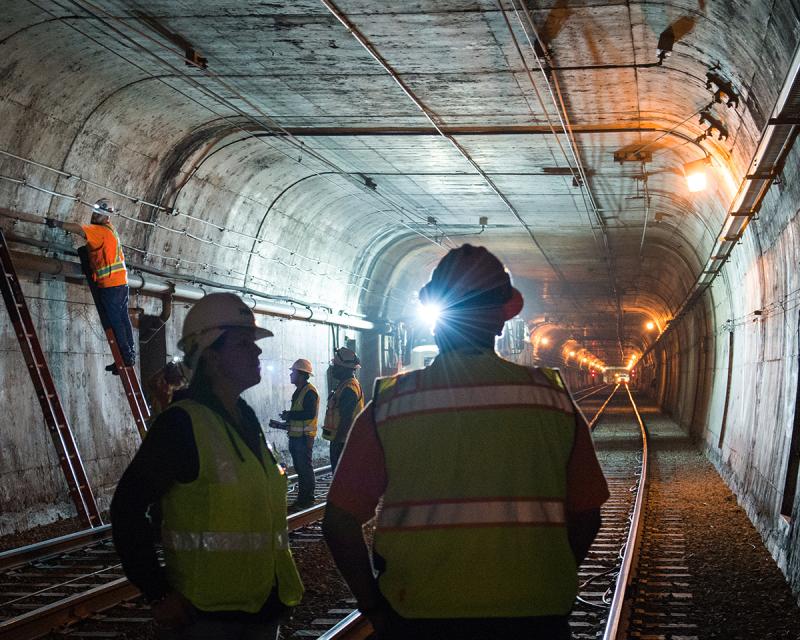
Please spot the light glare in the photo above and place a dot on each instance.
(429, 313)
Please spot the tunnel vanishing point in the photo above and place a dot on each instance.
(633, 164)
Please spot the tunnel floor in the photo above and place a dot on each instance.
(734, 589)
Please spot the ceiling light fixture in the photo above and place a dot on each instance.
(696, 176)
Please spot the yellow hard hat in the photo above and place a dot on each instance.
(303, 365)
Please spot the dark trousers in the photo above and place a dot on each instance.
(115, 307)
(336, 453)
(301, 449)
(540, 628)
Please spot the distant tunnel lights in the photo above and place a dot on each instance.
(696, 175)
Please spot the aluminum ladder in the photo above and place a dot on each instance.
(68, 456)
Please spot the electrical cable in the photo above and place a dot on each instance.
(272, 126)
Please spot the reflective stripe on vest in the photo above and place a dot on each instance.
(225, 535)
(299, 428)
(476, 488)
(469, 513)
(104, 262)
(333, 417)
(466, 398)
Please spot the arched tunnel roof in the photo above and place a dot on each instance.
(331, 153)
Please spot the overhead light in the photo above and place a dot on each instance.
(696, 176)
(571, 354)
(650, 325)
(545, 341)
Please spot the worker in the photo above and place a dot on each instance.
(164, 384)
(228, 569)
(108, 272)
(345, 402)
(301, 420)
(489, 483)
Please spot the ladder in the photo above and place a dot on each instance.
(68, 456)
(130, 381)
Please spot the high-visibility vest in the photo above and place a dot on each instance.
(333, 416)
(105, 255)
(299, 428)
(473, 521)
(225, 535)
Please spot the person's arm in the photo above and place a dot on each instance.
(70, 227)
(357, 487)
(168, 455)
(309, 410)
(587, 490)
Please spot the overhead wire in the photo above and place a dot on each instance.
(186, 233)
(434, 120)
(282, 135)
(279, 132)
(566, 127)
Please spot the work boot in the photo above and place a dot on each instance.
(112, 368)
(299, 505)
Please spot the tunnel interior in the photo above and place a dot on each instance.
(320, 158)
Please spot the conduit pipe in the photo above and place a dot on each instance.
(159, 287)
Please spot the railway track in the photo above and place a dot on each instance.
(602, 609)
(58, 582)
(113, 606)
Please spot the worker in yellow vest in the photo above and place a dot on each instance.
(108, 272)
(301, 424)
(229, 572)
(345, 402)
(489, 483)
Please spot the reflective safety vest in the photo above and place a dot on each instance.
(105, 255)
(473, 521)
(333, 416)
(225, 536)
(299, 428)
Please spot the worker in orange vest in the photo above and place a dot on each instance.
(108, 272)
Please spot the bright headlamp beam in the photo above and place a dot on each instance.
(429, 313)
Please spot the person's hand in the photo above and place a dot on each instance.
(284, 415)
(381, 618)
(53, 223)
(172, 611)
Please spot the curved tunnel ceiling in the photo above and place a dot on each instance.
(297, 165)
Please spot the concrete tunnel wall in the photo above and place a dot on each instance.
(746, 429)
(146, 140)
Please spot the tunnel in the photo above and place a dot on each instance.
(633, 164)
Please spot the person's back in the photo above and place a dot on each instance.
(489, 443)
(489, 487)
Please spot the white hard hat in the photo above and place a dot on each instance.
(346, 358)
(303, 365)
(209, 318)
(103, 206)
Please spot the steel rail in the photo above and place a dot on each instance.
(590, 391)
(14, 558)
(593, 422)
(39, 622)
(355, 626)
(616, 627)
